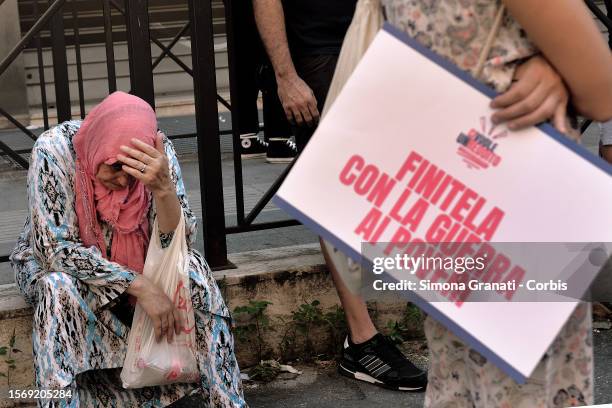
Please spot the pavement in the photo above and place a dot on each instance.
(319, 387)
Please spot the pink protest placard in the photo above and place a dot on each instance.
(407, 152)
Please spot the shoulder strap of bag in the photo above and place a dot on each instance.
(486, 49)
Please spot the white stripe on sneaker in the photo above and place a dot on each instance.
(381, 370)
(374, 364)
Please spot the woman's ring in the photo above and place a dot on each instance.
(144, 166)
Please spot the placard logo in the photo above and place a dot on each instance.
(477, 150)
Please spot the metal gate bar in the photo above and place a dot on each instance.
(207, 124)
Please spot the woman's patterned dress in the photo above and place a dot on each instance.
(457, 30)
(79, 297)
(458, 375)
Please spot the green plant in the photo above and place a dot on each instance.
(413, 316)
(396, 331)
(308, 316)
(257, 324)
(9, 360)
(410, 326)
(413, 322)
(336, 320)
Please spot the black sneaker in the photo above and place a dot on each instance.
(252, 146)
(378, 361)
(281, 150)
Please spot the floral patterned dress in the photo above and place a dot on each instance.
(458, 375)
(457, 30)
(81, 314)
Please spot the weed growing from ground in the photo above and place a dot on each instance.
(409, 327)
(306, 318)
(258, 323)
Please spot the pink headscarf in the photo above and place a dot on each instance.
(117, 119)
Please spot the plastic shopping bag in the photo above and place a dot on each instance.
(148, 363)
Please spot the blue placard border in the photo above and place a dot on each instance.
(424, 305)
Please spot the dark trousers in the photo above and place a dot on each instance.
(249, 54)
(317, 71)
(275, 121)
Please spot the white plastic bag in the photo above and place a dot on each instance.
(148, 363)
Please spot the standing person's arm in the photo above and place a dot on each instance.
(565, 33)
(297, 98)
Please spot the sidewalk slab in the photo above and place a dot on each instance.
(326, 389)
(317, 388)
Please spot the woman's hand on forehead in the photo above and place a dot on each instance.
(147, 164)
(142, 151)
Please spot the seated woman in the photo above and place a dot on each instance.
(94, 190)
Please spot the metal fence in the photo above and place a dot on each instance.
(139, 38)
(199, 28)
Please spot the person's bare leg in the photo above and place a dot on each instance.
(361, 327)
